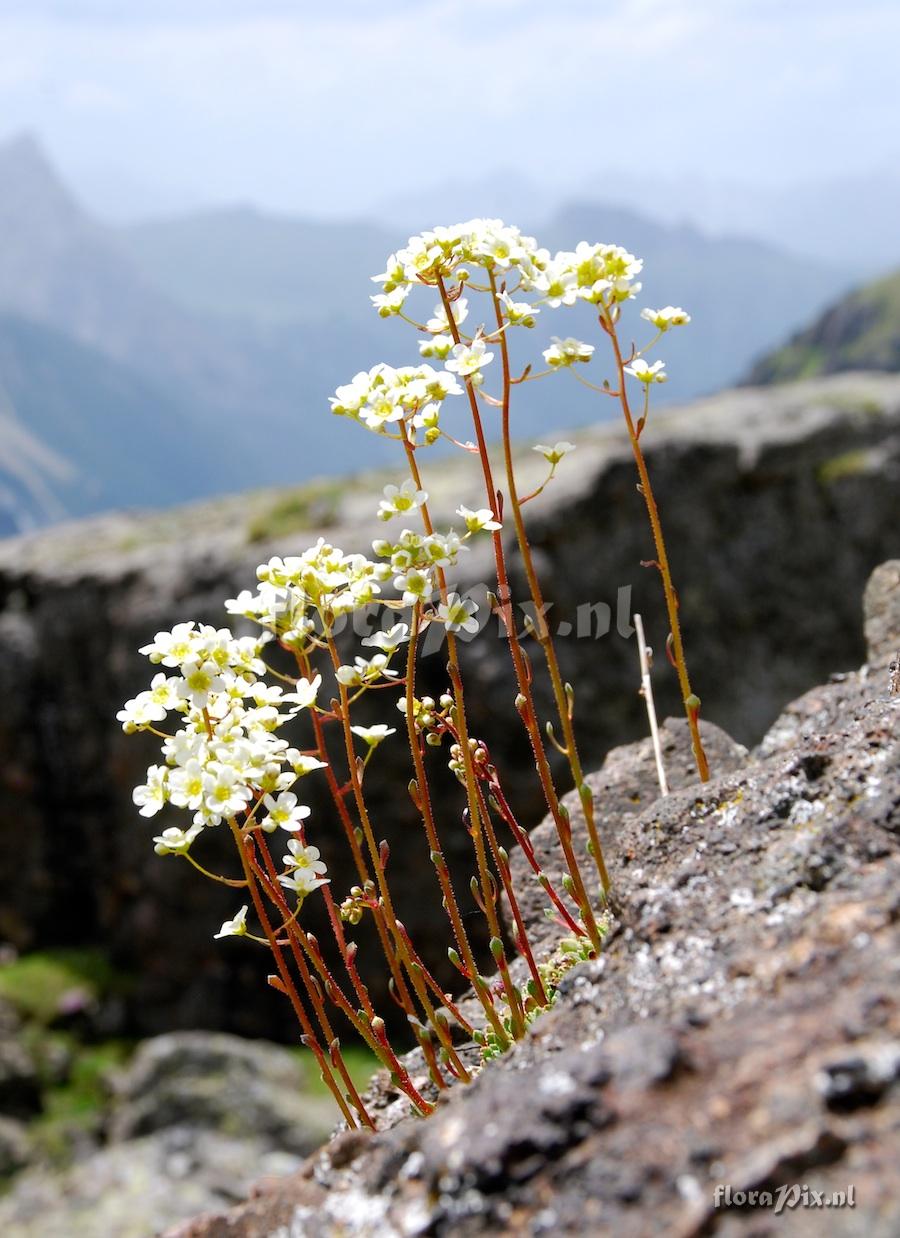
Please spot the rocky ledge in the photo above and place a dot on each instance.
(741, 1030)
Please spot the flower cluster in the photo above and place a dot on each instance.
(225, 759)
(599, 274)
(383, 396)
(293, 592)
(445, 253)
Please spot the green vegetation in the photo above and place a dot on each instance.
(309, 507)
(849, 464)
(36, 984)
(859, 332)
(358, 1060)
(74, 1104)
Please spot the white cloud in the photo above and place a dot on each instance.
(305, 104)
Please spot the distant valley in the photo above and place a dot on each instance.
(190, 356)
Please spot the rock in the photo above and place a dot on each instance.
(882, 611)
(216, 1082)
(15, 1147)
(741, 1028)
(139, 1188)
(756, 489)
(20, 1093)
(626, 785)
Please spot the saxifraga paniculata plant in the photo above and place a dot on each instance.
(226, 765)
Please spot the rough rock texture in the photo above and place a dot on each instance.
(741, 1028)
(777, 505)
(193, 1121)
(20, 1094)
(213, 1081)
(137, 1189)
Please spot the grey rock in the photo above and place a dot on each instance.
(626, 785)
(882, 613)
(213, 1081)
(139, 1188)
(15, 1147)
(20, 1094)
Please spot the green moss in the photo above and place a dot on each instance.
(36, 983)
(79, 1102)
(312, 507)
(849, 464)
(361, 1065)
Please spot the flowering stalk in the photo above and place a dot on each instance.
(386, 902)
(562, 696)
(525, 701)
(477, 821)
(689, 699)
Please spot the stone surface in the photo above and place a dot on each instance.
(20, 1095)
(757, 491)
(139, 1188)
(213, 1081)
(15, 1147)
(741, 1028)
(882, 611)
(625, 784)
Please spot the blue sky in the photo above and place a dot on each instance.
(333, 107)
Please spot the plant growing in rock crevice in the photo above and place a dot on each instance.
(228, 766)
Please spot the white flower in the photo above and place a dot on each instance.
(458, 614)
(163, 692)
(172, 648)
(390, 303)
(304, 697)
(200, 679)
(416, 586)
(306, 868)
(399, 499)
(645, 373)
(373, 735)
(439, 324)
(284, 812)
(668, 316)
(302, 764)
(469, 359)
(390, 640)
(188, 785)
(174, 841)
(557, 283)
(139, 712)
(151, 797)
(226, 795)
(236, 927)
(566, 352)
(483, 518)
(554, 454)
(439, 346)
(518, 313)
(364, 670)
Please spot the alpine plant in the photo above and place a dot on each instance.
(227, 718)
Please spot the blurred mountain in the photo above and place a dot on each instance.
(271, 270)
(822, 218)
(239, 324)
(80, 433)
(277, 272)
(859, 332)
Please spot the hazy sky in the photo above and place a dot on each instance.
(333, 106)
